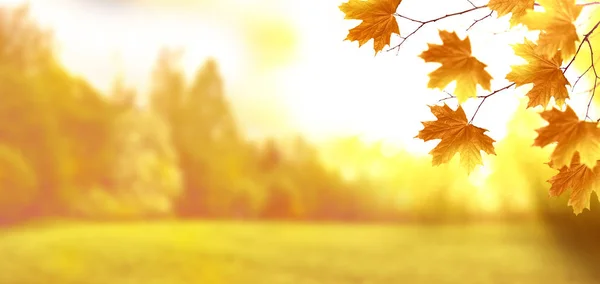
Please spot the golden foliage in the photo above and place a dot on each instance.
(557, 31)
(378, 21)
(543, 72)
(458, 136)
(544, 56)
(581, 179)
(518, 8)
(457, 65)
(571, 136)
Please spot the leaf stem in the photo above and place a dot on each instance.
(486, 97)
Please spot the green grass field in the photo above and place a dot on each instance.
(272, 253)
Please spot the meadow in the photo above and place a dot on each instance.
(273, 253)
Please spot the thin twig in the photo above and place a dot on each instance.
(579, 78)
(582, 4)
(451, 96)
(585, 38)
(589, 4)
(479, 20)
(588, 90)
(486, 97)
(587, 111)
(423, 23)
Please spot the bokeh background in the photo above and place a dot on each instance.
(240, 141)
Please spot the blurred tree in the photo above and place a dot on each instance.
(60, 124)
(121, 95)
(145, 173)
(279, 182)
(166, 97)
(27, 123)
(88, 120)
(18, 185)
(215, 160)
(271, 156)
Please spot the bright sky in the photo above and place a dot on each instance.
(285, 63)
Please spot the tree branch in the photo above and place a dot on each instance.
(593, 66)
(484, 97)
(475, 7)
(423, 23)
(585, 38)
(589, 4)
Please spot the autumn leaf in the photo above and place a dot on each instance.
(457, 65)
(544, 72)
(457, 135)
(518, 8)
(557, 31)
(378, 21)
(581, 179)
(571, 136)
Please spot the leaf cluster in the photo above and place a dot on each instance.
(577, 141)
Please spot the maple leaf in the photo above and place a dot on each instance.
(581, 179)
(557, 31)
(571, 136)
(378, 21)
(457, 136)
(544, 72)
(457, 65)
(518, 8)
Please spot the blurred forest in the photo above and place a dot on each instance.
(67, 150)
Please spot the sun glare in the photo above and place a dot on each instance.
(327, 87)
(330, 88)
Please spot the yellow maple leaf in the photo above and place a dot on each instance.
(571, 136)
(582, 181)
(518, 8)
(457, 136)
(457, 65)
(378, 21)
(557, 31)
(544, 72)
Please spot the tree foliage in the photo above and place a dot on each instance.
(548, 57)
(60, 125)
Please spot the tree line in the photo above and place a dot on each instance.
(68, 150)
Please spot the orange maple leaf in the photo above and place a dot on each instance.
(378, 21)
(457, 65)
(458, 136)
(557, 31)
(518, 8)
(581, 179)
(571, 136)
(544, 72)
